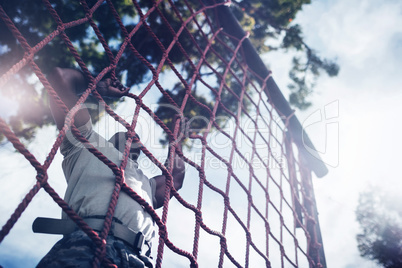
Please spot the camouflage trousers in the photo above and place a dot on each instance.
(78, 250)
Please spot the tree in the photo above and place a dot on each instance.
(265, 19)
(380, 216)
(271, 19)
(33, 20)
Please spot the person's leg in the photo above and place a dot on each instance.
(73, 250)
(77, 250)
(123, 255)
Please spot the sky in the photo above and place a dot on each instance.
(358, 133)
(361, 141)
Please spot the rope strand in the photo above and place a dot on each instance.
(264, 183)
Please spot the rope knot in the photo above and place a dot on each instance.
(28, 55)
(138, 101)
(120, 176)
(88, 16)
(41, 177)
(61, 28)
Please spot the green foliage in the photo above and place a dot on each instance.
(34, 22)
(272, 20)
(265, 19)
(380, 216)
(305, 72)
(192, 110)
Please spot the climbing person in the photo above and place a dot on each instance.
(90, 184)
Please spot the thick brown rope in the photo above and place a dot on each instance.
(296, 177)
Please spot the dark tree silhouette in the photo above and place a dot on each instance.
(270, 19)
(265, 19)
(380, 216)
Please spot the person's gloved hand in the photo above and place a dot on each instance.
(111, 88)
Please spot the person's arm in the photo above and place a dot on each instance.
(68, 83)
(178, 173)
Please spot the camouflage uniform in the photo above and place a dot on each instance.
(78, 250)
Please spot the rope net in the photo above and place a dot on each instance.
(247, 199)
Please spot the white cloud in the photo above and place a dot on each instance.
(365, 36)
(353, 28)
